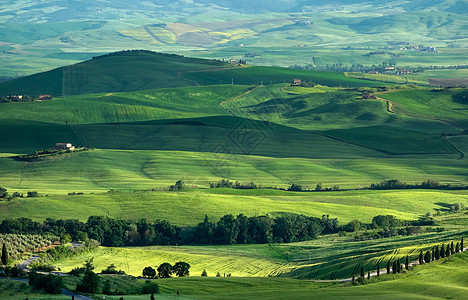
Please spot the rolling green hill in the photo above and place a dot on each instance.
(116, 72)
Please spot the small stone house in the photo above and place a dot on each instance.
(64, 146)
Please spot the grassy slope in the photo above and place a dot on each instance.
(113, 73)
(100, 170)
(449, 104)
(328, 257)
(124, 72)
(189, 208)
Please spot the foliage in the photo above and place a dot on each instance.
(51, 284)
(165, 270)
(111, 269)
(181, 269)
(90, 281)
(149, 272)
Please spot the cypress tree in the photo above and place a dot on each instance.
(437, 252)
(394, 268)
(378, 270)
(407, 262)
(388, 267)
(447, 251)
(452, 248)
(433, 255)
(368, 274)
(461, 245)
(457, 247)
(427, 257)
(420, 258)
(442, 251)
(4, 254)
(353, 279)
(362, 272)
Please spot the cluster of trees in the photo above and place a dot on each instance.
(228, 230)
(5, 195)
(396, 184)
(42, 154)
(383, 185)
(17, 98)
(225, 183)
(165, 270)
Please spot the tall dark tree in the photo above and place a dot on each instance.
(388, 267)
(368, 274)
(4, 254)
(90, 281)
(420, 258)
(378, 270)
(437, 252)
(165, 270)
(407, 262)
(427, 257)
(149, 272)
(461, 245)
(447, 251)
(442, 251)
(181, 269)
(452, 248)
(394, 267)
(362, 272)
(457, 247)
(433, 254)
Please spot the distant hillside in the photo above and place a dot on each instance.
(137, 70)
(124, 71)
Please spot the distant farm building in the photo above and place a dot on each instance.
(373, 72)
(64, 146)
(296, 81)
(232, 61)
(44, 97)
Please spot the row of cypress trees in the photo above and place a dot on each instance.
(396, 266)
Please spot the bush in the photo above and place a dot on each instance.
(150, 287)
(32, 194)
(112, 270)
(50, 284)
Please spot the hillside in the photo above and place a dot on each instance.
(117, 72)
(137, 70)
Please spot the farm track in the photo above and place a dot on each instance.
(391, 109)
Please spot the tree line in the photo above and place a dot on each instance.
(227, 231)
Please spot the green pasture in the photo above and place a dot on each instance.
(448, 104)
(437, 280)
(101, 170)
(190, 206)
(328, 257)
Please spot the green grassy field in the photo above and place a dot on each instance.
(189, 208)
(328, 257)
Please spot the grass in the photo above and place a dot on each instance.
(190, 207)
(16, 290)
(328, 257)
(450, 104)
(438, 280)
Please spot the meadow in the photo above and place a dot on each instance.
(326, 258)
(190, 207)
